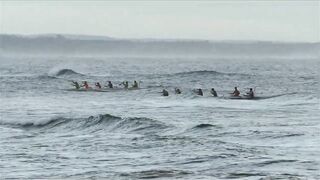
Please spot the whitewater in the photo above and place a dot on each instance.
(48, 131)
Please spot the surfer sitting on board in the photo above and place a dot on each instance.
(236, 92)
(76, 84)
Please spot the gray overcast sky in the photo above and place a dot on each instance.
(214, 20)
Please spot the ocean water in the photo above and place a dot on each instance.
(49, 131)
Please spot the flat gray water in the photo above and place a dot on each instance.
(48, 131)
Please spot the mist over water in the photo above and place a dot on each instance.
(49, 130)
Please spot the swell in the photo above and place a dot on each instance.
(60, 74)
(201, 126)
(98, 123)
(270, 162)
(206, 73)
(46, 77)
(275, 135)
(66, 72)
(201, 129)
(156, 173)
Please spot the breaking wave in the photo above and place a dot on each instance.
(67, 72)
(100, 122)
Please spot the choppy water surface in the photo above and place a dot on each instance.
(48, 131)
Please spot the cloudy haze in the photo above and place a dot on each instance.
(245, 20)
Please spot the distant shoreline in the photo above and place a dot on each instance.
(103, 45)
(103, 37)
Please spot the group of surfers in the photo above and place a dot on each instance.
(125, 84)
(85, 85)
(235, 93)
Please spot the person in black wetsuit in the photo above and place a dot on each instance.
(165, 92)
(76, 84)
(110, 85)
(177, 91)
(213, 92)
(199, 92)
(135, 84)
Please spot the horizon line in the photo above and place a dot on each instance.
(158, 39)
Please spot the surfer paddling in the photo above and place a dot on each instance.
(135, 84)
(98, 86)
(125, 84)
(85, 85)
(236, 92)
(110, 85)
(250, 94)
(165, 92)
(76, 84)
(177, 91)
(199, 92)
(213, 92)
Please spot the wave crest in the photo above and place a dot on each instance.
(204, 126)
(67, 72)
(100, 122)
